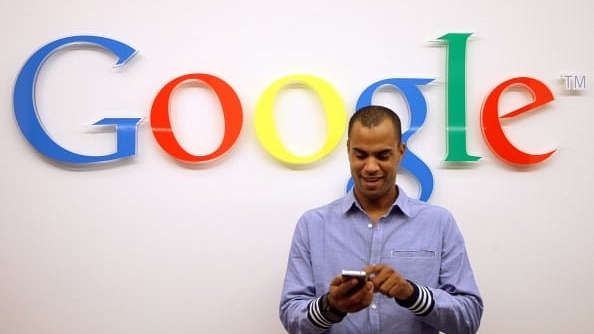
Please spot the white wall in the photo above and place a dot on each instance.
(155, 246)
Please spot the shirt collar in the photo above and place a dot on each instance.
(400, 204)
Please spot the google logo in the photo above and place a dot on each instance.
(126, 129)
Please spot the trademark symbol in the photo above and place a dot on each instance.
(574, 82)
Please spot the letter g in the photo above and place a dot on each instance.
(27, 118)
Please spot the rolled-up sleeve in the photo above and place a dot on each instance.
(298, 289)
(458, 303)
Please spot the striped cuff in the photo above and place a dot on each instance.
(318, 316)
(421, 302)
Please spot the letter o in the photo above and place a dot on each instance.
(334, 109)
(161, 124)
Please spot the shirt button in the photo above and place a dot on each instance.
(370, 225)
(373, 306)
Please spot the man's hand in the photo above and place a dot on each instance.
(389, 282)
(345, 298)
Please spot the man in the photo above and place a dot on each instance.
(420, 278)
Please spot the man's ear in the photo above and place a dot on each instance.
(402, 150)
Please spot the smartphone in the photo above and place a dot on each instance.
(360, 275)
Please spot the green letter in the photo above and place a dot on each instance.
(456, 98)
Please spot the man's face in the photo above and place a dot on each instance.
(374, 156)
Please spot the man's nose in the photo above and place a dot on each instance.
(371, 165)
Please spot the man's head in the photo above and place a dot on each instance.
(375, 151)
(373, 115)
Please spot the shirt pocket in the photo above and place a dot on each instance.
(420, 265)
(412, 254)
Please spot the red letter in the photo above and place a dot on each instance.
(491, 126)
(161, 125)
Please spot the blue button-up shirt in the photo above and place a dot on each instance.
(419, 240)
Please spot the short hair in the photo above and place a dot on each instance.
(374, 115)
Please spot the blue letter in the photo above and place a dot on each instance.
(418, 112)
(26, 113)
